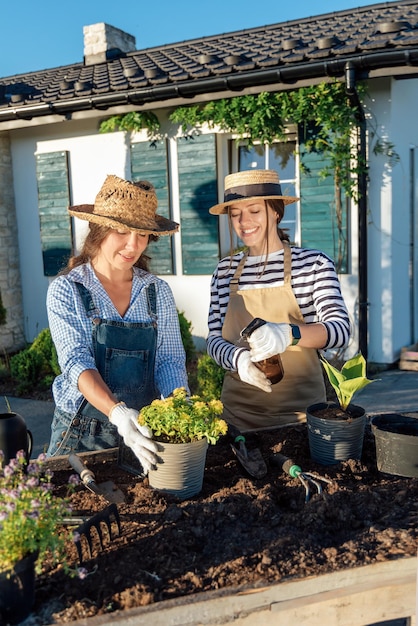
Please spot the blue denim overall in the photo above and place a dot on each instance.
(124, 353)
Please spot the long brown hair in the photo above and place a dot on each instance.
(91, 248)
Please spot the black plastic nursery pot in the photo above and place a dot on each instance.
(396, 438)
(334, 440)
(17, 591)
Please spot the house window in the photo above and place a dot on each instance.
(191, 177)
(198, 191)
(53, 202)
(324, 222)
(281, 157)
(314, 222)
(149, 162)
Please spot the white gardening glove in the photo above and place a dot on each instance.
(250, 374)
(268, 340)
(135, 436)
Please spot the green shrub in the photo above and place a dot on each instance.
(44, 345)
(26, 368)
(210, 377)
(186, 336)
(37, 365)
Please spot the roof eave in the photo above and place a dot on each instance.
(280, 78)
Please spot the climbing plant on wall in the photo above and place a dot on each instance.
(264, 118)
(324, 115)
(134, 121)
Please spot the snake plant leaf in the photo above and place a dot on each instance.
(355, 367)
(335, 377)
(347, 382)
(350, 387)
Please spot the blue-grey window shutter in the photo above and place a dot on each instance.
(320, 225)
(198, 192)
(149, 162)
(53, 202)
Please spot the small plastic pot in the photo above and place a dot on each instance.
(396, 438)
(333, 439)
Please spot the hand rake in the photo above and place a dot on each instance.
(307, 479)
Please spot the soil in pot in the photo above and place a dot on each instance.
(238, 531)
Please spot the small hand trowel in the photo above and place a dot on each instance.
(251, 460)
(107, 489)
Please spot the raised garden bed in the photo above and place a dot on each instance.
(246, 551)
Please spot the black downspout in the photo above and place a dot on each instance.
(350, 78)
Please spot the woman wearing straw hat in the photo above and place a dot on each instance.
(115, 326)
(295, 290)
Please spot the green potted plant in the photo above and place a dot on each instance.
(336, 428)
(30, 517)
(183, 426)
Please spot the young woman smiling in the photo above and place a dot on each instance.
(295, 290)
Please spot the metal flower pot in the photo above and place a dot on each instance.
(14, 436)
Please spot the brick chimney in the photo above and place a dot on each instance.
(103, 42)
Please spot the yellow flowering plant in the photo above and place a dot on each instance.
(182, 419)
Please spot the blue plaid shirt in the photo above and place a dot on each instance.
(71, 331)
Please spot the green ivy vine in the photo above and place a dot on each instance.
(323, 113)
(134, 121)
(264, 118)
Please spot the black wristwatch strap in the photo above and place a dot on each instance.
(295, 334)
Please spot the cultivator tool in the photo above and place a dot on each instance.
(307, 479)
(100, 521)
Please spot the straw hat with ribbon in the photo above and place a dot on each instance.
(125, 204)
(248, 185)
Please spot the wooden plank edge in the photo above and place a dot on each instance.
(376, 592)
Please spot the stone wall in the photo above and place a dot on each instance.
(12, 336)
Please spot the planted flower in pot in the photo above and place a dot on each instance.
(336, 429)
(30, 517)
(183, 426)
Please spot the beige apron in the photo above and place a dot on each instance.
(246, 406)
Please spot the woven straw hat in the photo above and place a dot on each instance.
(122, 203)
(243, 186)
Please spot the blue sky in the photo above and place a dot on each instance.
(47, 34)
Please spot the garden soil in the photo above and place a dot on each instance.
(238, 532)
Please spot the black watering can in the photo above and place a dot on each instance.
(14, 436)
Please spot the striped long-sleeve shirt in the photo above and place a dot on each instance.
(314, 283)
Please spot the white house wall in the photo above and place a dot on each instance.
(92, 156)
(392, 113)
(404, 126)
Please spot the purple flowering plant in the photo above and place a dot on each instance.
(30, 515)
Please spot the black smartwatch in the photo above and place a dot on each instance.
(295, 334)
